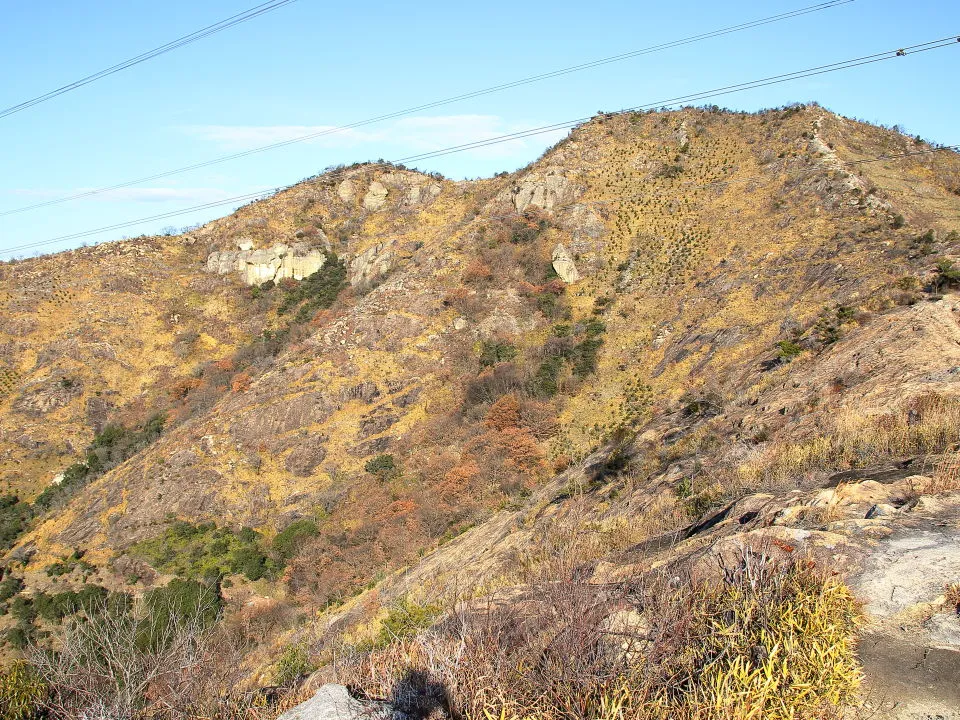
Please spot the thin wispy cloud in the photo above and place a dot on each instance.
(403, 136)
(134, 194)
(248, 137)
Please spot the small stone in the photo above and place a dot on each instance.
(880, 510)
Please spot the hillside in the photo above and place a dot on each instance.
(671, 333)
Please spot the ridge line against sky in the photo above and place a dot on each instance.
(251, 140)
(218, 94)
(684, 100)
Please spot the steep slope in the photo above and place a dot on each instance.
(87, 337)
(460, 371)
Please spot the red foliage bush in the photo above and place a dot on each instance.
(240, 382)
(504, 413)
(477, 271)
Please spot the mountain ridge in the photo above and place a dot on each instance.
(757, 306)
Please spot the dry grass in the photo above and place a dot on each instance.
(770, 641)
(946, 475)
(951, 597)
(107, 663)
(926, 424)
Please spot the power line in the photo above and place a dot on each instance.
(951, 41)
(229, 22)
(445, 101)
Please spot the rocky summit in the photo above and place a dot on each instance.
(665, 424)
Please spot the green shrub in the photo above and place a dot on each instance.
(493, 352)
(293, 663)
(287, 542)
(827, 330)
(206, 551)
(404, 620)
(9, 587)
(22, 609)
(923, 244)
(545, 382)
(22, 692)
(250, 561)
(316, 291)
(947, 274)
(179, 602)
(845, 313)
(15, 517)
(19, 637)
(788, 350)
(383, 466)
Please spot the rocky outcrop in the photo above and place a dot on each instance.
(545, 190)
(47, 397)
(306, 456)
(372, 264)
(346, 191)
(333, 702)
(408, 189)
(376, 196)
(297, 261)
(564, 266)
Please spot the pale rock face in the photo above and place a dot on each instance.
(413, 195)
(244, 244)
(261, 265)
(376, 196)
(333, 702)
(281, 261)
(346, 191)
(564, 265)
(545, 190)
(372, 264)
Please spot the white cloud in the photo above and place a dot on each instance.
(154, 195)
(247, 137)
(133, 194)
(404, 136)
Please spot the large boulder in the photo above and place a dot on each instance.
(333, 702)
(564, 266)
(372, 264)
(346, 190)
(376, 196)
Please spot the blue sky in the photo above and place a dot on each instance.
(312, 65)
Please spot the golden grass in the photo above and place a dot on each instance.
(768, 641)
(926, 424)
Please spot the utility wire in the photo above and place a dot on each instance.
(821, 69)
(229, 22)
(446, 101)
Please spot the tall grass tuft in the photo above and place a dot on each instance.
(925, 425)
(766, 641)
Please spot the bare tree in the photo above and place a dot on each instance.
(125, 664)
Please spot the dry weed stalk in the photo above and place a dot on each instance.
(116, 663)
